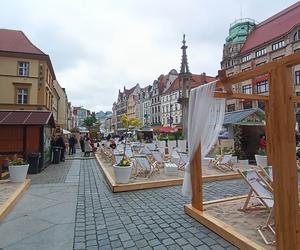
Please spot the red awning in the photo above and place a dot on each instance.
(23, 117)
(162, 129)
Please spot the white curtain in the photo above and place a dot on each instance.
(205, 120)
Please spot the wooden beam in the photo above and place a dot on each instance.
(268, 131)
(282, 135)
(296, 99)
(290, 61)
(196, 176)
(221, 228)
(249, 74)
(240, 96)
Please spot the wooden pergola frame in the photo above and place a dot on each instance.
(281, 150)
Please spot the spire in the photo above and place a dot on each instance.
(184, 69)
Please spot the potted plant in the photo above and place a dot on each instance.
(123, 169)
(18, 169)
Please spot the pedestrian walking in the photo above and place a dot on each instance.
(71, 145)
(60, 143)
(81, 141)
(87, 147)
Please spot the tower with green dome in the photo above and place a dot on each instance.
(238, 33)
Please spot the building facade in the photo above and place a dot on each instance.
(171, 109)
(60, 105)
(79, 114)
(256, 44)
(26, 74)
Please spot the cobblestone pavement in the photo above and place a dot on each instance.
(55, 173)
(147, 219)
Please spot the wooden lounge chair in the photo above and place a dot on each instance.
(174, 157)
(263, 192)
(157, 157)
(144, 167)
(223, 163)
(145, 151)
(118, 158)
(151, 146)
(128, 151)
(184, 159)
(267, 172)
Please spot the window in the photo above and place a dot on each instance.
(297, 77)
(158, 108)
(245, 69)
(246, 58)
(247, 89)
(262, 87)
(23, 68)
(297, 35)
(261, 104)
(261, 63)
(260, 52)
(247, 104)
(22, 96)
(298, 94)
(278, 45)
(230, 107)
(277, 58)
(176, 119)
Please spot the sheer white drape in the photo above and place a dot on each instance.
(206, 116)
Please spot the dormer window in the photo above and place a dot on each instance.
(246, 58)
(278, 45)
(260, 52)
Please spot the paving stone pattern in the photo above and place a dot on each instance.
(147, 219)
(55, 173)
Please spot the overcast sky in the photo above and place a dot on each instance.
(97, 46)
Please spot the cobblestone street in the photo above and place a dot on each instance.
(70, 206)
(148, 219)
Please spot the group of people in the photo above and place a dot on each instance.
(71, 144)
(86, 145)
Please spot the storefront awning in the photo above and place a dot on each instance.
(245, 117)
(22, 117)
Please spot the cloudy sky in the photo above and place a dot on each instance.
(98, 46)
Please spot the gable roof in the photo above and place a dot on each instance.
(238, 115)
(274, 27)
(196, 81)
(16, 41)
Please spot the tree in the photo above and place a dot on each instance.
(129, 123)
(89, 121)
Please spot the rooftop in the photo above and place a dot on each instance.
(273, 27)
(17, 41)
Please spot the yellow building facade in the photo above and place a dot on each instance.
(26, 74)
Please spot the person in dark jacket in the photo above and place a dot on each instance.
(60, 143)
(81, 143)
(71, 145)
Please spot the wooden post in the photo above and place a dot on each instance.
(196, 176)
(283, 148)
(268, 129)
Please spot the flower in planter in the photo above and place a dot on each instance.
(17, 162)
(125, 162)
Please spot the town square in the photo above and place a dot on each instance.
(150, 125)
